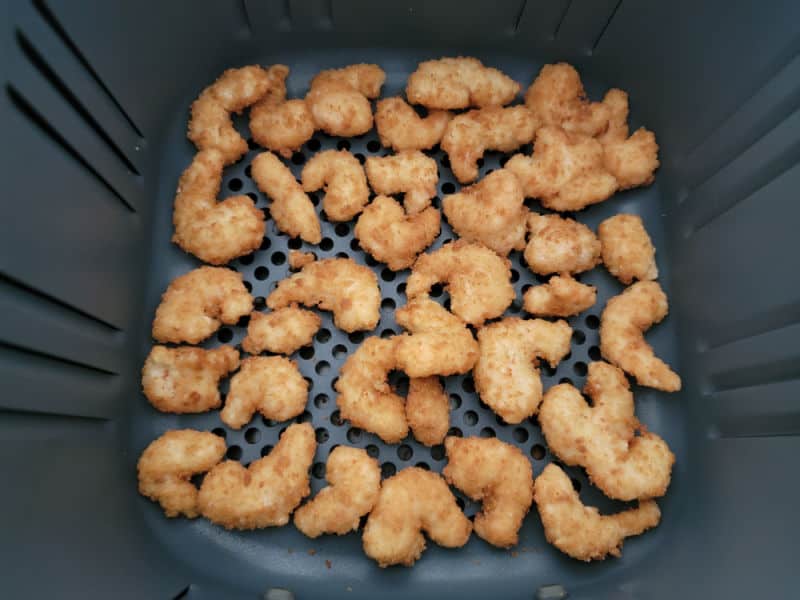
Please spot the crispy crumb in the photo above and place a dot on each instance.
(328, 564)
(312, 552)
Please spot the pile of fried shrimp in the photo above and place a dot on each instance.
(583, 153)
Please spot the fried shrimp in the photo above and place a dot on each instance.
(478, 280)
(339, 99)
(491, 212)
(265, 493)
(215, 232)
(282, 331)
(198, 302)
(365, 397)
(298, 260)
(410, 172)
(627, 250)
(471, 134)
(354, 480)
(581, 531)
(167, 464)
(271, 385)
(601, 437)
(461, 82)
(339, 285)
(496, 474)
(210, 124)
(389, 235)
(291, 208)
(427, 410)
(559, 245)
(409, 503)
(506, 375)
(566, 171)
(561, 296)
(401, 128)
(622, 325)
(346, 191)
(439, 342)
(186, 380)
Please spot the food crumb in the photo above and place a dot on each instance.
(312, 552)
(328, 563)
(514, 553)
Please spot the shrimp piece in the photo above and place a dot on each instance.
(427, 410)
(561, 296)
(462, 82)
(346, 191)
(559, 245)
(410, 172)
(339, 99)
(627, 250)
(401, 128)
(298, 260)
(282, 331)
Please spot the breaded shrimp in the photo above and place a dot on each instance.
(291, 208)
(627, 250)
(215, 232)
(186, 380)
(471, 134)
(401, 128)
(601, 437)
(271, 385)
(282, 331)
(561, 296)
(459, 82)
(566, 171)
(427, 410)
(198, 302)
(622, 325)
(506, 375)
(210, 124)
(346, 191)
(339, 99)
(365, 78)
(389, 235)
(410, 172)
(559, 245)
(496, 474)
(365, 397)
(339, 285)
(439, 342)
(411, 502)
(478, 280)
(581, 531)
(167, 464)
(265, 493)
(354, 480)
(491, 212)
(298, 260)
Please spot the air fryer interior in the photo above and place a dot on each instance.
(96, 103)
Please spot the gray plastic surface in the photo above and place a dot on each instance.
(95, 109)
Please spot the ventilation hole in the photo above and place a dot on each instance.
(360, 157)
(455, 401)
(594, 353)
(373, 145)
(224, 335)
(259, 303)
(565, 380)
(470, 417)
(252, 435)
(503, 160)
(387, 274)
(520, 435)
(321, 400)
(235, 184)
(388, 304)
(326, 244)
(446, 305)
(514, 276)
(318, 470)
(592, 322)
(437, 452)
(576, 485)
(343, 145)
(269, 422)
(445, 161)
(548, 370)
(423, 465)
(322, 367)
(339, 351)
(388, 469)
(314, 144)
(333, 383)
(278, 258)
(295, 244)
(436, 290)
(356, 337)
(468, 385)
(342, 229)
(371, 261)
(373, 451)
(253, 196)
(580, 369)
(266, 213)
(323, 335)
(537, 451)
(526, 287)
(455, 431)
(578, 337)
(488, 432)
(234, 453)
(354, 245)
(298, 158)
(448, 188)
(460, 502)
(307, 352)
(219, 431)
(387, 333)
(248, 286)
(247, 259)
(261, 273)
(499, 420)
(480, 162)
(436, 203)
(336, 419)
(322, 435)
(265, 244)
(353, 435)
(405, 452)
(266, 450)
(314, 198)
(515, 307)
(304, 417)
(401, 288)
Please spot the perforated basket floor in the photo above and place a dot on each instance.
(283, 558)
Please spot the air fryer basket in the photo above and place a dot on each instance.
(96, 102)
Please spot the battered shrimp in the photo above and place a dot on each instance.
(478, 280)
(210, 124)
(198, 302)
(411, 502)
(410, 172)
(471, 134)
(561, 296)
(461, 82)
(354, 480)
(401, 128)
(298, 260)
(439, 343)
(601, 437)
(215, 232)
(346, 191)
(271, 385)
(622, 325)
(491, 212)
(506, 374)
(427, 410)
(339, 285)
(291, 208)
(566, 171)
(559, 245)
(339, 99)
(581, 531)
(389, 235)
(627, 250)
(496, 474)
(167, 464)
(185, 380)
(265, 493)
(282, 331)
(365, 397)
